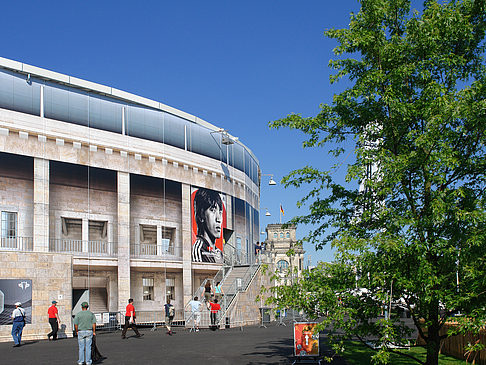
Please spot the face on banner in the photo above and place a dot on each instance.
(306, 343)
(208, 214)
(12, 291)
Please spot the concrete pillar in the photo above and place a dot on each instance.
(123, 192)
(186, 243)
(41, 205)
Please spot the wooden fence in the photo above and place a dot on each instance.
(455, 346)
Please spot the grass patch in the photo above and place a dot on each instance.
(356, 353)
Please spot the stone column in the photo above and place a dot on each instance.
(186, 243)
(123, 191)
(41, 205)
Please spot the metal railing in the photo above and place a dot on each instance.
(84, 248)
(239, 285)
(233, 256)
(171, 252)
(17, 243)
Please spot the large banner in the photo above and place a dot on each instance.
(208, 215)
(306, 343)
(12, 291)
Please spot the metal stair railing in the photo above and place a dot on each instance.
(237, 287)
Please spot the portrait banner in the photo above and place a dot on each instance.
(208, 221)
(306, 342)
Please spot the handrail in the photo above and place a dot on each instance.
(247, 279)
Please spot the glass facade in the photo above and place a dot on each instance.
(72, 105)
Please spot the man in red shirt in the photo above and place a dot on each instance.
(130, 320)
(54, 321)
(215, 307)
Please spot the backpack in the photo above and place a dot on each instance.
(171, 311)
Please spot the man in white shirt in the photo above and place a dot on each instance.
(18, 317)
(196, 312)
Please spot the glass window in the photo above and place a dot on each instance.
(288, 235)
(174, 130)
(148, 288)
(170, 288)
(281, 234)
(203, 142)
(9, 224)
(145, 123)
(105, 113)
(168, 240)
(238, 157)
(282, 265)
(275, 235)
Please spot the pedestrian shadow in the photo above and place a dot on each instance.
(61, 333)
(31, 342)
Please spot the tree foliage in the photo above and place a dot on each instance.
(414, 231)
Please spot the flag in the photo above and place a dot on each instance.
(281, 210)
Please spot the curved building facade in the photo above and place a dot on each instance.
(105, 196)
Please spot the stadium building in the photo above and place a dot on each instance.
(97, 190)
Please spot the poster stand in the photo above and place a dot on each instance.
(306, 343)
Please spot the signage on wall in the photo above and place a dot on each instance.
(12, 291)
(208, 222)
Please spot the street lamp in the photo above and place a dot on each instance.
(271, 181)
(267, 213)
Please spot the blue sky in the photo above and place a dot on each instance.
(237, 65)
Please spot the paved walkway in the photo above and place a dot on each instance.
(253, 345)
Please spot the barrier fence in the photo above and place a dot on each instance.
(114, 321)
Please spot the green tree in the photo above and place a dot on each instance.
(409, 222)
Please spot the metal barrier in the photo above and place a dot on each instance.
(109, 321)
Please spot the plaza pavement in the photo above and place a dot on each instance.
(250, 346)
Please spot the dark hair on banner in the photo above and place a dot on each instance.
(203, 200)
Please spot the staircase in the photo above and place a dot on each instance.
(98, 300)
(235, 276)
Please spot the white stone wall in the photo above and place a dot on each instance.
(51, 279)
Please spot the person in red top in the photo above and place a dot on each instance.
(130, 320)
(54, 321)
(215, 307)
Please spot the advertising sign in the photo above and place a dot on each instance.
(306, 343)
(12, 291)
(208, 216)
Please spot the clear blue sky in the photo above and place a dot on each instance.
(237, 65)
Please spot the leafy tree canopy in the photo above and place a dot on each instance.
(414, 232)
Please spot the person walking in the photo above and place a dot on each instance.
(130, 320)
(169, 316)
(54, 321)
(196, 312)
(207, 292)
(218, 291)
(18, 317)
(85, 328)
(215, 307)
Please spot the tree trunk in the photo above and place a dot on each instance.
(433, 344)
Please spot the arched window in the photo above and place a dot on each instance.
(288, 234)
(282, 265)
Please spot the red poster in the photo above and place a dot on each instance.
(306, 342)
(208, 214)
